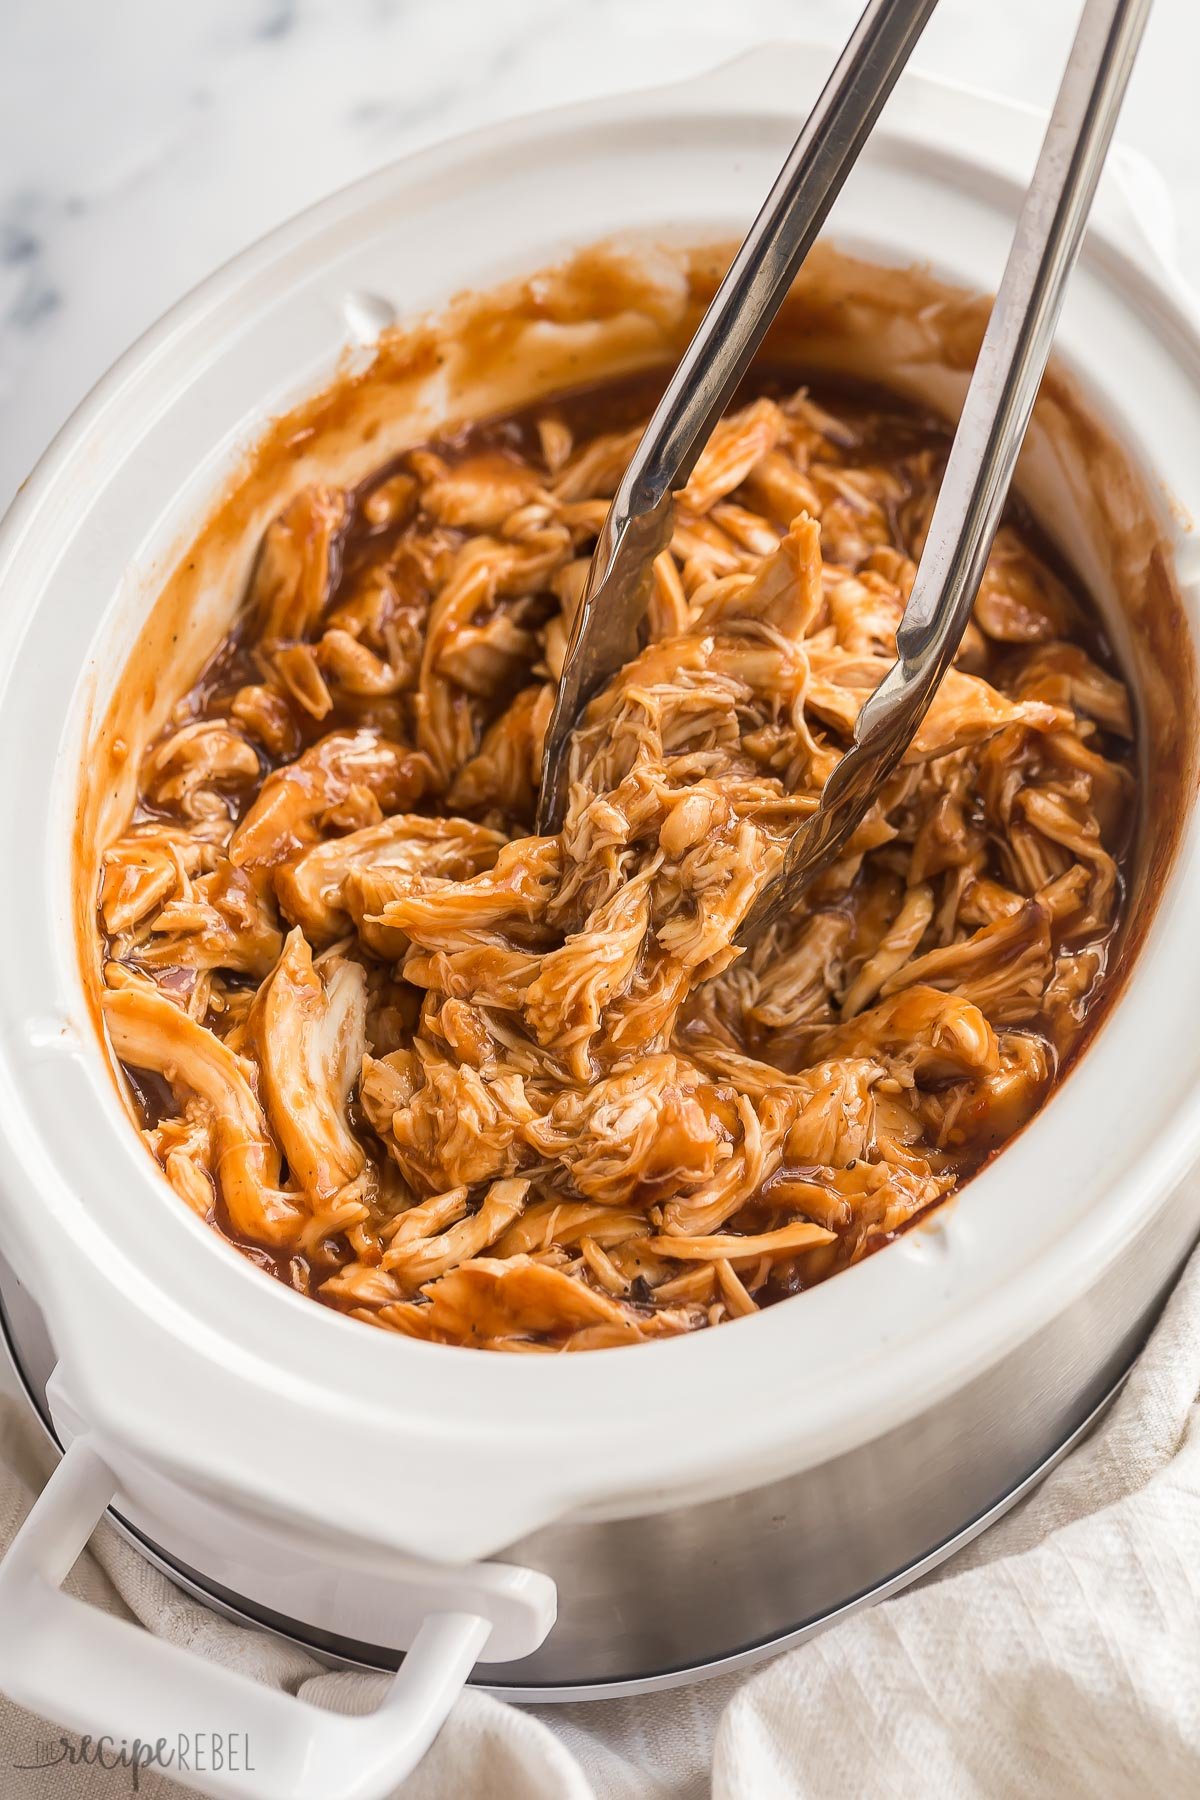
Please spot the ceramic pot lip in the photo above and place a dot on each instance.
(187, 1358)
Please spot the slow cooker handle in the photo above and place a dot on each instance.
(95, 1673)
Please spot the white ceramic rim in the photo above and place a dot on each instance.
(186, 1356)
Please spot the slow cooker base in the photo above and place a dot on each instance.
(342, 1653)
(33, 1364)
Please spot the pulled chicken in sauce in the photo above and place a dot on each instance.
(484, 1088)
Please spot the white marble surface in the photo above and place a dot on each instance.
(144, 141)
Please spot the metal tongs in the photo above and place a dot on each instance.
(1004, 385)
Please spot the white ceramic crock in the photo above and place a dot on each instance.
(312, 1460)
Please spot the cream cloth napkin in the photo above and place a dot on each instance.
(1058, 1656)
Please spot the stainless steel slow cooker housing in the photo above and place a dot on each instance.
(694, 1501)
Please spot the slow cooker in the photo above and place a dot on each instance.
(562, 1527)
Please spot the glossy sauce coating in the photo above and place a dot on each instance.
(490, 1089)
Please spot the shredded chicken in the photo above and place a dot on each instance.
(483, 1088)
